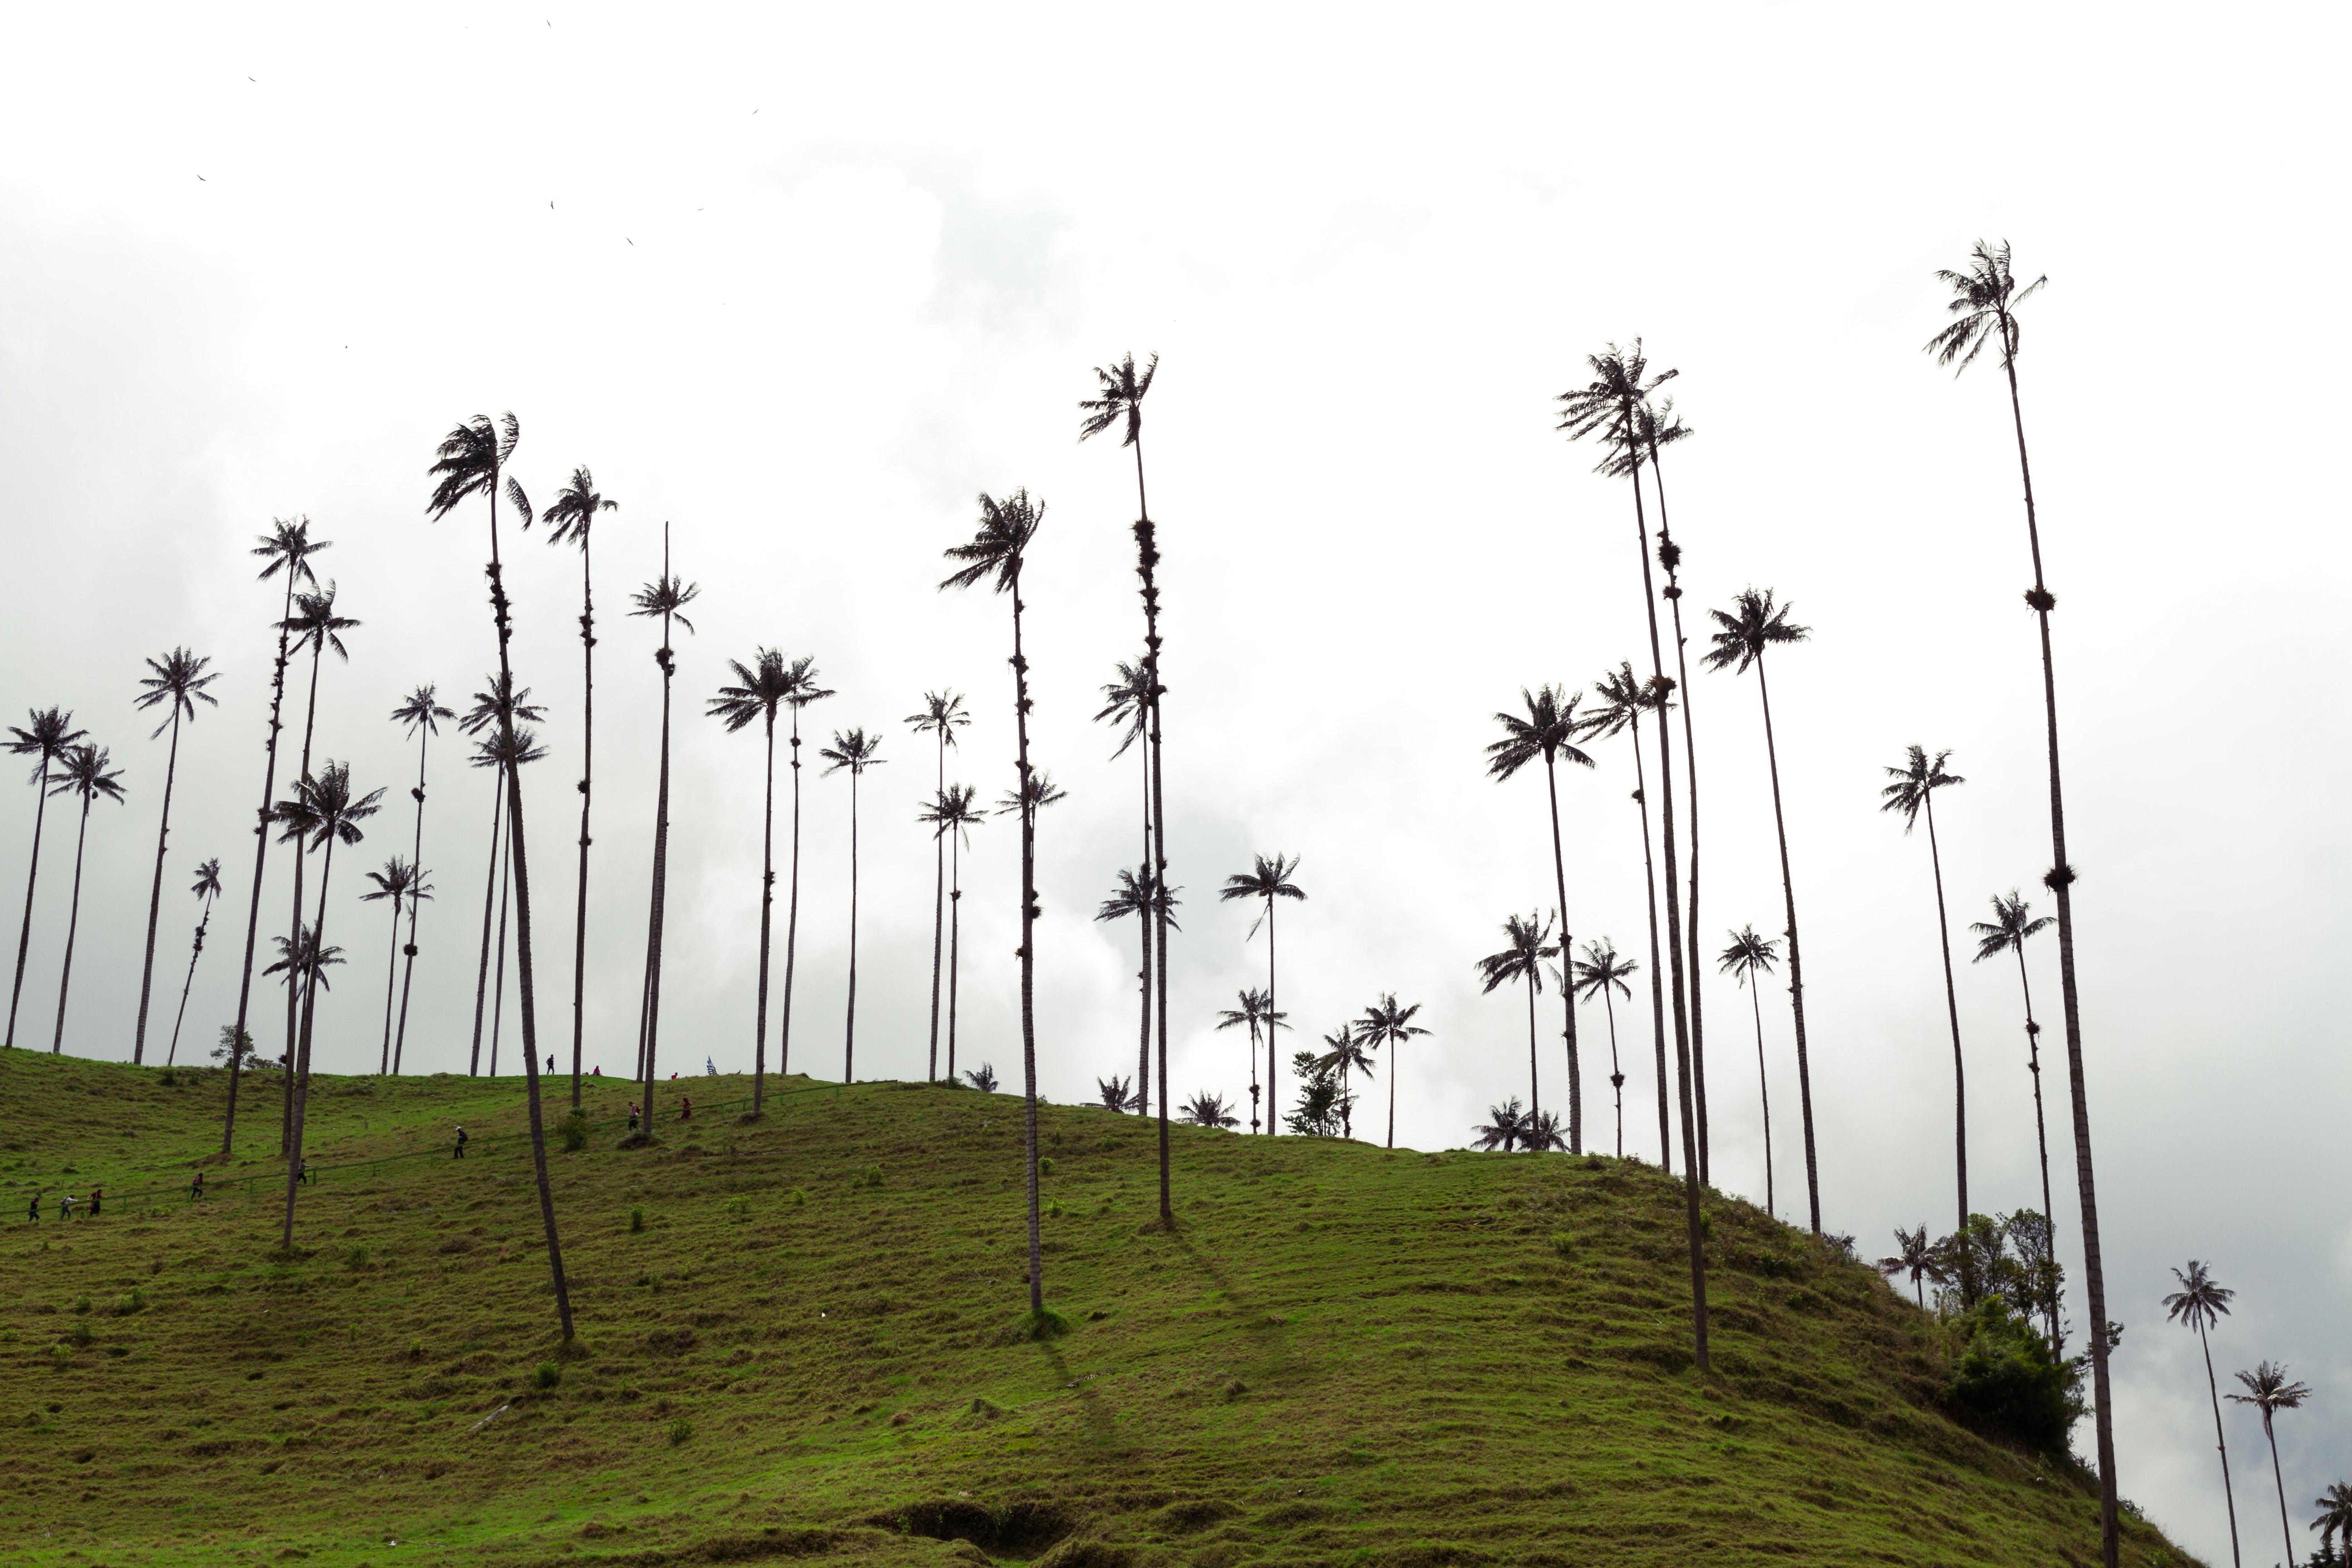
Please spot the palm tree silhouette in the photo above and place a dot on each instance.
(1385, 1022)
(2268, 1391)
(1912, 793)
(178, 678)
(1206, 1110)
(2007, 932)
(2335, 1514)
(1550, 731)
(942, 715)
(982, 1078)
(207, 889)
(302, 961)
(51, 738)
(1601, 972)
(569, 517)
(317, 626)
(1344, 1054)
(472, 460)
(1527, 942)
(760, 689)
(1138, 894)
(1116, 1094)
(1621, 699)
(951, 815)
(800, 677)
(1128, 704)
(421, 713)
(1540, 1132)
(491, 752)
(1916, 1255)
(666, 597)
(1748, 956)
(402, 882)
(85, 773)
(2201, 1304)
(1268, 879)
(854, 750)
(994, 554)
(1753, 625)
(490, 706)
(1504, 1124)
(1253, 1013)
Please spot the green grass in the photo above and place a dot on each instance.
(817, 1347)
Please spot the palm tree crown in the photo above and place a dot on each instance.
(1505, 1125)
(325, 799)
(179, 679)
(2268, 1390)
(472, 456)
(2011, 924)
(1748, 955)
(758, 693)
(951, 810)
(1206, 1110)
(2335, 1514)
(399, 879)
(1752, 625)
(1622, 699)
(84, 772)
(1985, 296)
(942, 715)
(315, 623)
(1128, 704)
(299, 957)
(51, 736)
(666, 596)
(208, 882)
(2201, 1303)
(423, 710)
(1548, 732)
(288, 547)
(1527, 942)
(1602, 970)
(996, 549)
(1609, 401)
(497, 696)
(574, 510)
(852, 749)
(1137, 892)
(1914, 782)
(1123, 390)
(1914, 1255)
(1268, 879)
(1035, 792)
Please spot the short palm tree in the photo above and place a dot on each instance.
(302, 961)
(1138, 894)
(179, 679)
(207, 889)
(1116, 1094)
(51, 737)
(952, 815)
(761, 689)
(85, 773)
(401, 883)
(2011, 924)
(1620, 698)
(2334, 1515)
(1917, 1255)
(2201, 1304)
(1206, 1110)
(1527, 942)
(422, 714)
(1385, 1022)
(1344, 1054)
(1505, 1125)
(1251, 1014)
(1541, 1134)
(941, 716)
(854, 750)
(570, 517)
(485, 721)
(1601, 972)
(1269, 879)
(982, 1078)
(1550, 731)
(666, 598)
(2268, 1391)
(800, 677)
(1913, 793)
(994, 554)
(1748, 956)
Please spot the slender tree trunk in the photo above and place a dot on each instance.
(1254, 1087)
(188, 984)
(1395, 1047)
(1532, 1110)
(1616, 1073)
(1272, 1029)
(1567, 966)
(1796, 964)
(301, 864)
(1147, 566)
(1657, 960)
(489, 904)
(499, 986)
(849, 1028)
(73, 922)
(793, 919)
(297, 1062)
(390, 974)
(649, 1031)
(260, 855)
(1764, 1093)
(156, 894)
(2221, 1445)
(939, 917)
(767, 916)
(33, 876)
(2286, 1529)
(2040, 1134)
(955, 934)
(1670, 555)
(587, 774)
(1959, 1067)
(1029, 952)
(416, 858)
(1145, 921)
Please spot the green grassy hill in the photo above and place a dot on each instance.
(1341, 1355)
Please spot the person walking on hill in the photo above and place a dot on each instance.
(33, 1210)
(196, 1188)
(632, 1116)
(65, 1205)
(96, 1195)
(459, 1151)
(685, 1108)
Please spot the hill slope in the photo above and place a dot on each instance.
(1341, 1355)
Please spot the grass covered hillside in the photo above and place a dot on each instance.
(794, 1345)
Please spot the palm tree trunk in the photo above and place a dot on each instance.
(1567, 966)
(156, 894)
(939, 917)
(390, 974)
(849, 1028)
(793, 919)
(1257, 1091)
(2040, 1134)
(1394, 1047)
(767, 918)
(1796, 964)
(1960, 1068)
(260, 855)
(649, 1025)
(587, 774)
(189, 984)
(1029, 955)
(33, 876)
(1532, 1107)
(2221, 1445)
(1147, 565)
(2286, 1529)
(1764, 1093)
(1273, 1029)
(1657, 964)
(73, 922)
(297, 1060)
(489, 903)
(301, 864)
(416, 858)
(1144, 920)
(1616, 1073)
(499, 986)
(955, 934)
(1672, 556)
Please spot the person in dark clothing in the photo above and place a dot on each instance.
(632, 1116)
(459, 1151)
(33, 1213)
(685, 1108)
(196, 1188)
(96, 1195)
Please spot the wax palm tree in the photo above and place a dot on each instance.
(1504, 1125)
(1268, 879)
(1128, 705)
(2335, 1514)
(1527, 942)
(472, 461)
(83, 773)
(1983, 309)
(2011, 924)
(1116, 1094)
(486, 721)
(1251, 1014)
(1206, 1110)
(1749, 956)
(318, 627)
(666, 598)
(799, 676)
(1139, 893)
(2201, 1304)
(1601, 972)
(302, 961)
(2268, 1391)
(421, 713)
(1385, 1022)
(1753, 625)
(994, 554)
(982, 1078)
(951, 815)
(760, 689)
(1550, 731)
(51, 737)
(1541, 1134)
(854, 750)
(1621, 699)
(570, 518)
(1917, 1255)
(491, 752)
(941, 716)
(402, 882)
(178, 680)
(1913, 793)
(1344, 1053)
(207, 889)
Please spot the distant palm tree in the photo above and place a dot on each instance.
(472, 460)
(1206, 1110)
(179, 679)
(207, 889)
(318, 627)
(1621, 700)
(854, 750)
(1344, 1054)
(1268, 879)
(84, 774)
(401, 883)
(2202, 1303)
(2268, 1391)
(421, 713)
(1748, 956)
(951, 816)
(1550, 731)
(1252, 1013)
(1116, 1094)
(51, 737)
(2007, 932)
(491, 706)
(1754, 624)
(1912, 793)
(666, 597)
(982, 1078)
(2335, 1514)
(1542, 1134)
(758, 693)
(942, 715)
(302, 961)
(491, 754)
(1385, 1022)
(570, 519)
(1527, 942)
(1505, 1123)
(1916, 1255)
(1128, 704)
(1138, 894)
(1601, 972)
(800, 675)
(995, 555)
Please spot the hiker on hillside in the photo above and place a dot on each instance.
(196, 1188)
(302, 1172)
(685, 1108)
(459, 1151)
(551, 1064)
(632, 1116)
(65, 1205)
(96, 1195)
(596, 1072)
(33, 1213)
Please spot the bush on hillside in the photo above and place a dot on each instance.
(2007, 1380)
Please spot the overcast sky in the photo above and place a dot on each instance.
(802, 286)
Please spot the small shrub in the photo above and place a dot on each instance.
(59, 1355)
(81, 1336)
(576, 1133)
(133, 1301)
(171, 1078)
(680, 1431)
(1046, 1165)
(796, 1198)
(2007, 1378)
(1045, 1323)
(548, 1376)
(1053, 1208)
(81, 1304)
(736, 1209)
(637, 1218)
(356, 1258)
(873, 1176)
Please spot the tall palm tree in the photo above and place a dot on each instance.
(951, 815)
(854, 749)
(472, 460)
(1268, 879)
(2012, 922)
(421, 713)
(1527, 942)
(1621, 702)
(1917, 1255)
(51, 737)
(1748, 956)
(2335, 1514)
(666, 597)
(1139, 893)
(402, 882)
(799, 676)
(1206, 1110)
(490, 752)
(1550, 731)
(317, 626)
(1128, 704)
(484, 721)
(2201, 1304)
(760, 689)
(1343, 1054)
(1983, 309)
(1753, 625)
(1601, 972)
(84, 774)
(207, 889)
(1121, 390)
(994, 554)
(1385, 1022)
(179, 679)
(1912, 793)
(1251, 1014)
(942, 715)
(2268, 1391)
(570, 517)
